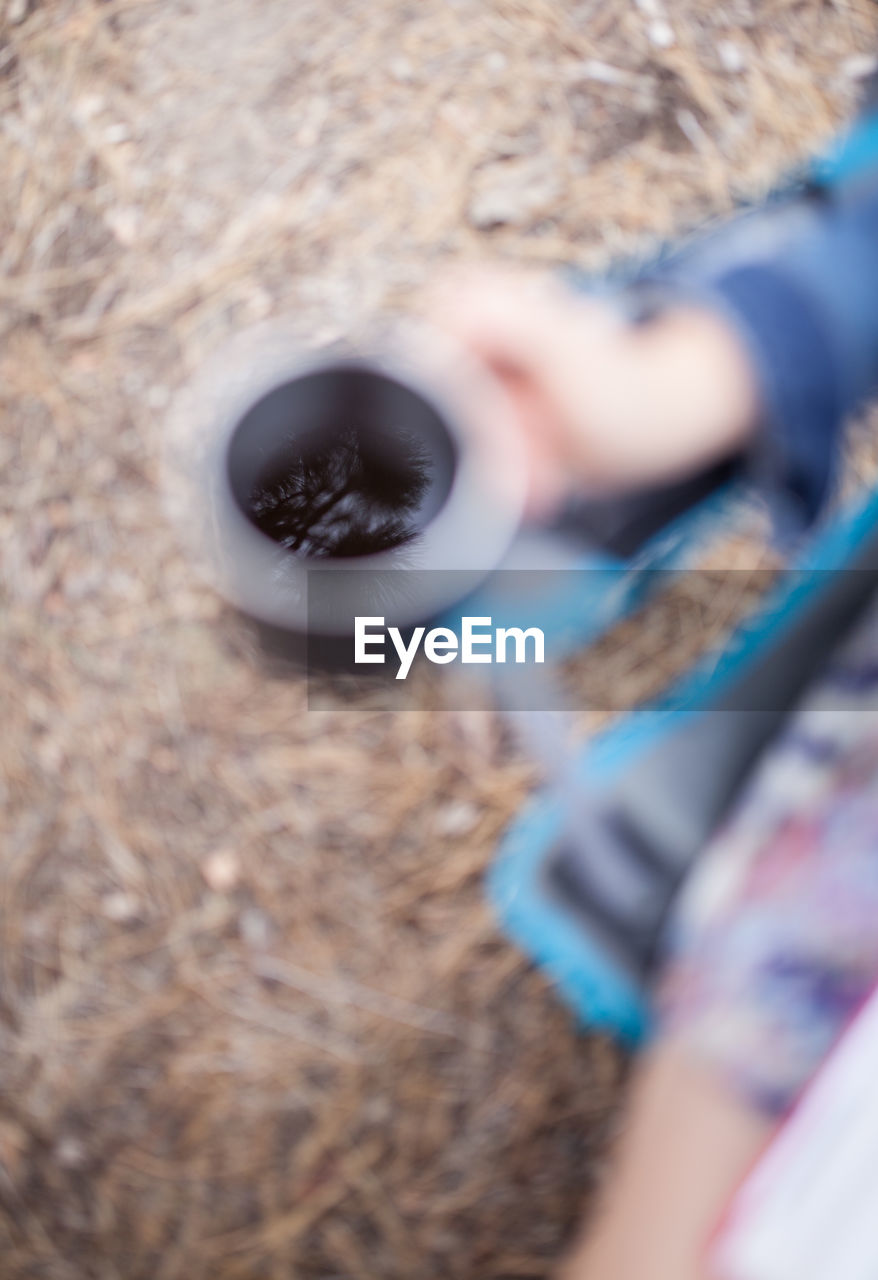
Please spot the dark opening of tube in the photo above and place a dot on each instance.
(341, 462)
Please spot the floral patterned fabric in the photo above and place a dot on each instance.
(774, 942)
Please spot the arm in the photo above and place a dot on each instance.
(763, 337)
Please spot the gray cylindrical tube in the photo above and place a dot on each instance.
(279, 462)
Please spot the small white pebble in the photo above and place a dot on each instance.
(221, 870)
(120, 907)
(457, 819)
(17, 11)
(116, 133)
(496, 62)
(688, 122)
(859, 66)
(70, 1153)
(402, 70)
(661, 34)
(89, 105)
(731, 56)
(124, 224)
(602, 72)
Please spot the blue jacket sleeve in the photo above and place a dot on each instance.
(799, 282)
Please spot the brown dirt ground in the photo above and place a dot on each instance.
(255, 1020)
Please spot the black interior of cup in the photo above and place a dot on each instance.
(341, 462)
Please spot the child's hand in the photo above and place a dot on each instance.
(603, 405)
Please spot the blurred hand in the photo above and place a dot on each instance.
(601, 404)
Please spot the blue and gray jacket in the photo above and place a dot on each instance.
(798, 280)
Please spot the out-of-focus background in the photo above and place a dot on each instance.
(255, 1020)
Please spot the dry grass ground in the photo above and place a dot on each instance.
(255, 1020)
